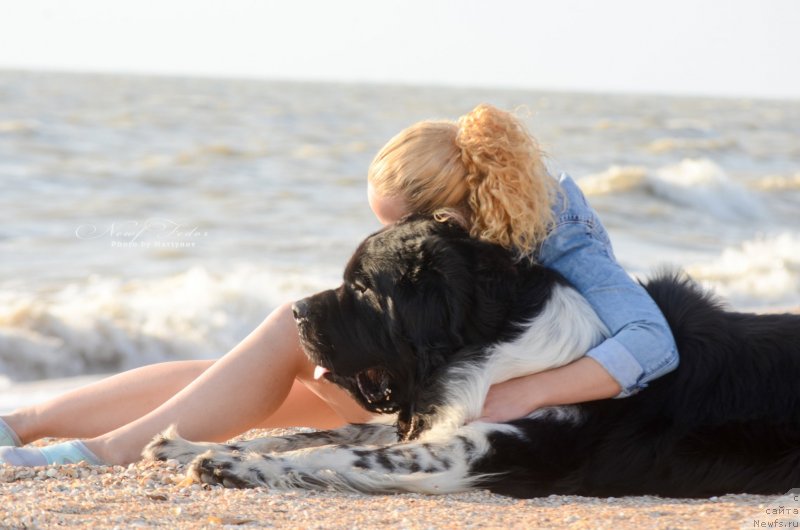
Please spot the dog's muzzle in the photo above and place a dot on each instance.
(300, 310)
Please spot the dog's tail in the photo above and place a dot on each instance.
(690, 310)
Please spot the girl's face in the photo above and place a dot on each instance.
(386, 209)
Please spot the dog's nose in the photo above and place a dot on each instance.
(300, 309)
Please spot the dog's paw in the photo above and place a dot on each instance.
(226, 469)
(169, 446)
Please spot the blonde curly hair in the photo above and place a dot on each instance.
(484, 170)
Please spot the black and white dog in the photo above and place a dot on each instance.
(428, 318)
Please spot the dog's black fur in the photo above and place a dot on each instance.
(422, 297)
(727, 420)
(415, 300)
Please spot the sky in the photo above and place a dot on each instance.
(691, 47)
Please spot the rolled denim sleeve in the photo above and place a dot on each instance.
(641, 346)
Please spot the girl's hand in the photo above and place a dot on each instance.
(510, 400)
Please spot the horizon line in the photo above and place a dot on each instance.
(163, 74)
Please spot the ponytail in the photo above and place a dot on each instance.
(509, 190)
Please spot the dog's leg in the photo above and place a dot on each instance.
(168, 445)
(441, 466)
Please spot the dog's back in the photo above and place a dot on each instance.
(733, 366)
(726, 420)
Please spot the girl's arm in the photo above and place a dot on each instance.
(641, 347)
(579, 381)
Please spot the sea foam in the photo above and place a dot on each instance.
(107, 325)
(698, 184)
(702, 184)
(758, 273)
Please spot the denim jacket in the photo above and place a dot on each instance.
(641, 347)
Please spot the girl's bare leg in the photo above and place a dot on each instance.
(105, 405)
(235, 394)
(303, 408)
(112, 402)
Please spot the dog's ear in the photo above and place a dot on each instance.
(432, 298)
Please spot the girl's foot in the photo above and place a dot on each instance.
(70, 452)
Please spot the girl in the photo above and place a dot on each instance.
(484, 170)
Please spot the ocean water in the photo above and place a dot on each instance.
(149, 219)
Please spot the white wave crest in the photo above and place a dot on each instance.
(697, 184)
(702, 185)
(761, 272)
(615, 179)
(105, 324)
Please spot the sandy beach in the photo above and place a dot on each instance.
(157, 494)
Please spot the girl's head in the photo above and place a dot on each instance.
(485, 170)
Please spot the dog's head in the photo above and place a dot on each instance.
(416, 297)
